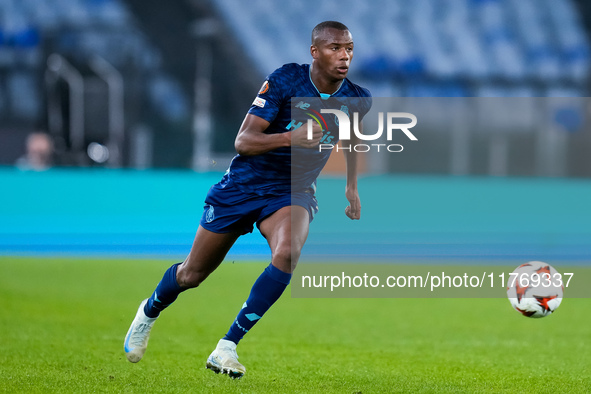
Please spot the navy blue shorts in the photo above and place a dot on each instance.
(229, 209)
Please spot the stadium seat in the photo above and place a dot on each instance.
(24, 95)
(167, 97)
(479, 40)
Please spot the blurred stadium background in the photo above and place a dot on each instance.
(130, 84)
(160, 84)
(142, 99)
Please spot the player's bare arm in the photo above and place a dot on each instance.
(252, 139)
(353, 211)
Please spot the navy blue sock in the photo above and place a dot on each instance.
(266, 290)
(166, 292)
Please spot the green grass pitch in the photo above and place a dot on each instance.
(63, 321)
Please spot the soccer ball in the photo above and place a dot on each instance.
(535, 289)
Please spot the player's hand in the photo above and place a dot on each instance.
(299, 137)
(353, 211)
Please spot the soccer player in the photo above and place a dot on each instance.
(259, 187)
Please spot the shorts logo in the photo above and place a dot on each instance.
(259, 102)
(265, 88)
(209, 215)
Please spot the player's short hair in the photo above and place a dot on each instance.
(319, 28)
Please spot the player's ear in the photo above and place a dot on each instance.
(314, 51)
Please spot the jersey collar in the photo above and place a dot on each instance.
(323, 96)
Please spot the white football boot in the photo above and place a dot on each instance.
(136, 340)
(225, 360)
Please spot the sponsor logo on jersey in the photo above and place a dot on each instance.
(259, 102)
(327, 138)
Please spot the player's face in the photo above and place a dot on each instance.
(332, 53)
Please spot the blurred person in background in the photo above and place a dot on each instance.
(39, 152)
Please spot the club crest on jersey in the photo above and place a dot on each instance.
(209, 215)
(343, 109)
(265, 88)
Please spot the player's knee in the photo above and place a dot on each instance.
(286, 257)
(189, 278)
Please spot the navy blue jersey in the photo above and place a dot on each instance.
(282, 170)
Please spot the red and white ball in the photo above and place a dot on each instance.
(535, 289)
